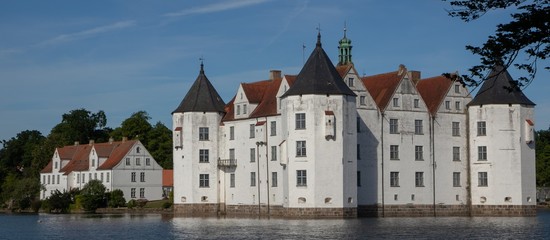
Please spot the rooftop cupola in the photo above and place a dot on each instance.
(344, 50)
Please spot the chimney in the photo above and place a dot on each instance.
(76, 143)
(124, 139)
(274, 74)
(402, 69)
(414, 76)
(91, 142)
(111, 140)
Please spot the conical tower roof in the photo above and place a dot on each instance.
(319, 76)
(497, 89)
(201, 97)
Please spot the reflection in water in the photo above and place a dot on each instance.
(156, 226)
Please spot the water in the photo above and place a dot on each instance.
(156, 226)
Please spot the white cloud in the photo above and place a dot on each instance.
(89, 32)
(217, 7)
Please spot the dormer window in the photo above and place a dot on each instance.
(55, 165)
(244, 109)
(238, 109)
(457, 88)
(416, 103)
(350, 82)
(396, 102)
(137, 150)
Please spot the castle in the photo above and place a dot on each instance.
(331, 143)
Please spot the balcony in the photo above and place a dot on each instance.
(227, 163)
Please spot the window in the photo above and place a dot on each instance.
(300, 148)
(101, 177)
(419, 179)
(358, 124)
(482, 179)
(83, 178)
(418, 128)
(457, 105)
(50, 178)
(138, 162)
(273, 128)
(456, 153)
(127, 161)
(77, 178)
(300, 121)
(448, 105)
(93, 163)
(394, 179)
(394, 152)
(252, 130)
(142, 177)
(108, 177)
(203, 155)
(204, 180)
(252, 179)
(138, 149)
(252, 155)
(482, 128)
(95, 176)
(394, 126)
(301, 178)
(482, 153)
(273, 153)
(89, 176)
(418, 153)
(244, 109)
(395, 102)
(416, 103)
(142, 192)
(57, 179)
(133, 193)
(238, 109)
(274, 179)
(457, 88)
(203, 134)
(350, 82)
(231, 133)
(359, 178)
(362, 100)
(148, 161)
(232, 153)
(456, 129)
(133, 177)
(358, 151)
(456, 179)
(232, 180)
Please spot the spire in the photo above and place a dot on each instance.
(201, 97)
(499, 89)
(344, 49)
(202, 65)
(319, 36)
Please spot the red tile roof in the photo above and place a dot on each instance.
(343, 69)
(268, 105)
(382, 86)
(120, 149)
(255, 91)
(80, 160)
(48, 168)
(433, 91)
(229, 111)
(167, 178)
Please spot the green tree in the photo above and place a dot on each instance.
(93, 196)
(527, 35)
(136, 126)
(59, 202)
(542, 140)
(80, 125)
(116, 199)
(18, 192)
(160, 145)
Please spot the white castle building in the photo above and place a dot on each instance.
(331, 143)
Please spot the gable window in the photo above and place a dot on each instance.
(252, 179)
(231, 133)
(142, 176)
(204, 180)
(482, 179)
(203, 134)
(238, 109)
(252, 155)
(457, 88)
(419, 179)
(456, 129)
(457, 105)
(416, 103)
(127, 161)
(273, 128)
(56, 165)
(232, 180)
(252, 130)
(273, 179)
(138, 162)
(482, 153)
(148, 161)
(300, 121)
(456, 179)
(394, 179)
(301, 178)
(93, 163)
(350, 82)
(394, 126)
(481, 128)
(418, 153)
(137, 150)
(394, 152)
(362, 100)
(244, 109)
(273, 153)
(203, 156)
(456, 153)
(448, 105)
(418, 128)
(395, 102)
(133, 177)
(300, 148)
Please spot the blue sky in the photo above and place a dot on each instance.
(126, 56)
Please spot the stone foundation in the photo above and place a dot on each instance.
(504, 210)
(409, 210)
(262, 211)
(197, 209)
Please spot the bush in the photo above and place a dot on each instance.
(166, 205)
(35, 205)
(93, 196)
(141, 203)
(116, 199)
(131, 204)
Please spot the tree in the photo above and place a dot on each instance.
(59, 202)
(527, 35)
(160, 145)
(80, 125)
(136, 126)
(116, 199)
(93, 196)
(19, 192)
(542, 149)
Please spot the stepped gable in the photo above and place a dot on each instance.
(201, 97)
(433, 91)
(119, 150)
(80, 160)
(497, 90)
(382, 86)
(319, 76)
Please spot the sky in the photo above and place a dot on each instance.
(143, 55)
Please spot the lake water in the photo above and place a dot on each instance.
(156, 226)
